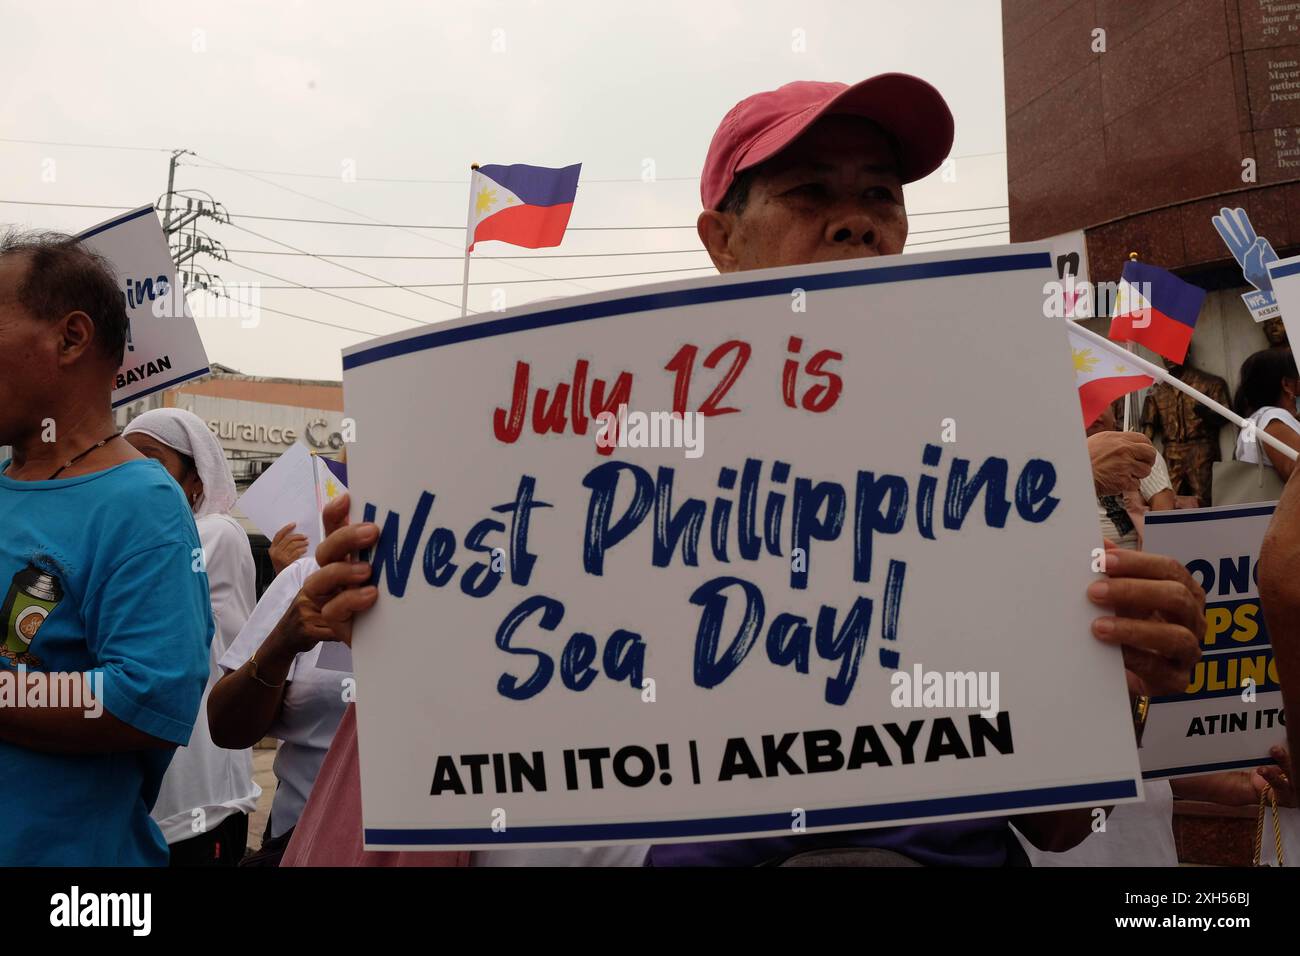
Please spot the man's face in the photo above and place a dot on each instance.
(832, 194)
(28, 352)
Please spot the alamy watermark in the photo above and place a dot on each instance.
(44, 689)
(636, 429)
(941, 690)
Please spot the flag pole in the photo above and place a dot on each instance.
(1132, 350)
(469, 238)
(1161, 375)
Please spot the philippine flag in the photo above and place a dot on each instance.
(1101, 377)
(1157, 309)
(523, 205)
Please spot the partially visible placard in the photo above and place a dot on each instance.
(163, 347)
(1232, 712)
(287, 493)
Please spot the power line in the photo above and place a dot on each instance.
(440, 285)
(372, 179)
(334, 177)
(339, 265)
(41, 142)
(607, 275)
(69, 205)
(565, 255)
(392, 225)
(291, 315)
(949, 212)
(396, 225)
(434, 182)
(323, 291)
(978, 235)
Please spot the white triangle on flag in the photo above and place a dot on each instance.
(487, 198)
(1129, 300)
(1092, 362)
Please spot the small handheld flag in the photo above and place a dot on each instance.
(329, 484)
(1101, 376)
(525, 206)
(1157, 309)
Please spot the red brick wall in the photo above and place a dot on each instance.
(1147, 130)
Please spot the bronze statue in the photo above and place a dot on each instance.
(1190, 430)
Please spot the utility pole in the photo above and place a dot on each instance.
(171, 183)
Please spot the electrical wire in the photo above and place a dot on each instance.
(325, 291)
(439, 285)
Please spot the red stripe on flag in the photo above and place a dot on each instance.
(1094, 396)
(1157, 331)
(533, 227)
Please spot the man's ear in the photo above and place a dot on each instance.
(76, 337)
(715, 230)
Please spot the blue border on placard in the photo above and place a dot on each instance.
(158, 388)
(1196, 768)
(915, 810)
(1182, 517)
(127, 217)
(698, 296)
(1290, 269)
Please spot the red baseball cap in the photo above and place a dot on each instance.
(760, 126)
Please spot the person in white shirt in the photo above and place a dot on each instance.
(1155, 490)
(1266, 397)
(272, 687)
(208, 792)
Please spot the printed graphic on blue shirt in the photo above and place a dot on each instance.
(33, 594)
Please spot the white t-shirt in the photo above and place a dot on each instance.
(1248, 451)
(313, 701)
(203, 776)
(1136, 834)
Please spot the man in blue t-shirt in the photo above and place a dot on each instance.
(105, 620)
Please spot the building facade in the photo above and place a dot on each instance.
(1136, 121)
(256, 419)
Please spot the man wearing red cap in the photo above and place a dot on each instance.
(814, 172)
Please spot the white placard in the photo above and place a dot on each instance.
(1070, 264)
(836, 389)
(1222, 722)
(286, 492)
(163, 346)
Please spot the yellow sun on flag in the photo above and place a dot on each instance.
(331, 489)
(486, 198)
(1084, 360)
(1121, 368)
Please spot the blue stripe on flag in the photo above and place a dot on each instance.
(536, 185)
(1179, 300)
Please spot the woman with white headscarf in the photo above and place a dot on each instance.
(208, 792)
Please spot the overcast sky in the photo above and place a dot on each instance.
(418, 91)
